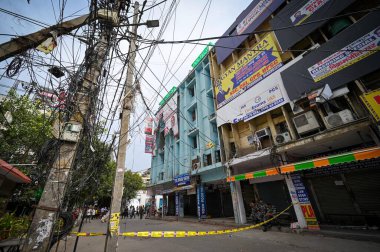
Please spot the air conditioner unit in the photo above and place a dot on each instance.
(338, 119)
(263, 133)
(306, 122)
(282, 138)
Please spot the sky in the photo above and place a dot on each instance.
(167, 67)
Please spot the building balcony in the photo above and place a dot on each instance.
(209, 92)
(193, 131)
(353, 134)
(212, 117)
(192, 104)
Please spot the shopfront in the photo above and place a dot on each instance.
(340, 189)
(354, 185)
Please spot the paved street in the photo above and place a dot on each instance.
(252, 240)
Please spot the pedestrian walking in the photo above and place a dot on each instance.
(141, 212)
(88, 214)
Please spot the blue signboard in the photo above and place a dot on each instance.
(201, 202)
(181, 180)
(176, 204)
(301, 191)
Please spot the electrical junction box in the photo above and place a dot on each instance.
(70, 132)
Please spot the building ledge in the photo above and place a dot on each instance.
(206, 168)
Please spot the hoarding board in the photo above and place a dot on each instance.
(372, 102)
(247, 22)
(252, 67)
(267, 95)
(346, 57)
(300, 18)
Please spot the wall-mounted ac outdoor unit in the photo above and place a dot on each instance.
(263, 133)
(282, 138)
(306, 122)
(338, 119)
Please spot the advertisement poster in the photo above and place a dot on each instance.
(168, 114)
(250, 69)
(148, 126)
(149, 144)
(201, 202)
(372, 102)
(304, 201)
(252, 16)
(306, 11)
(347, 56)
(261, 103)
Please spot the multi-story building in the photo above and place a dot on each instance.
(186, 164)
(297, 98)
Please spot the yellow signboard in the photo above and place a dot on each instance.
(255, 65)
(372, 102)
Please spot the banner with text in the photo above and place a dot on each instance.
(168, 114)
(306, 11)
(347, 56)
(250, 69)
(372, 102)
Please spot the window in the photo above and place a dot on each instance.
(193, 115)
(233, 149)
(207, 159)
(217, 156)
(192, 91)
(194, 142)
(161, 176)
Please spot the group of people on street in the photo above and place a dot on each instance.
(94, 212)
(131, 212)
(261, 211)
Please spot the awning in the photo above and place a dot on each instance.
(12, 173)
(176, 189)
(310, 164)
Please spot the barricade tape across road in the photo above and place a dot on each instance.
(182, 234)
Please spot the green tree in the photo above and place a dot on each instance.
(24, 135)
(132, 183)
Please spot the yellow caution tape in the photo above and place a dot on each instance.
(182, 234)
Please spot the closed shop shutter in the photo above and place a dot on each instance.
(276, 193)
(332, 196)
(365, 187)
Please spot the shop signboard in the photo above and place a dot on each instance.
(148, 126)
(302, 14)
(168, 115)
(347, 56)
(176, 204)
(372, 102)
(267, 100)
(303, 17)
(182, 179)
(149, 143)
(201, 202)
(265, 96)
(303, 199)
(202, 55)
(245, 24)
(254, 66)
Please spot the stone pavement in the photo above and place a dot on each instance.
(243, 241)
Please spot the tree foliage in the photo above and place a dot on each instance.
(132, 183)
(23, 139)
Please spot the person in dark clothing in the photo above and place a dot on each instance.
(141, 212)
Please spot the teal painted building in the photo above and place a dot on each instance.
(194, 151)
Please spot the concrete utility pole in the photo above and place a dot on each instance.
(41, 228)
(129, 94)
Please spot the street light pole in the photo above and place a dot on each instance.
(117, 194)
